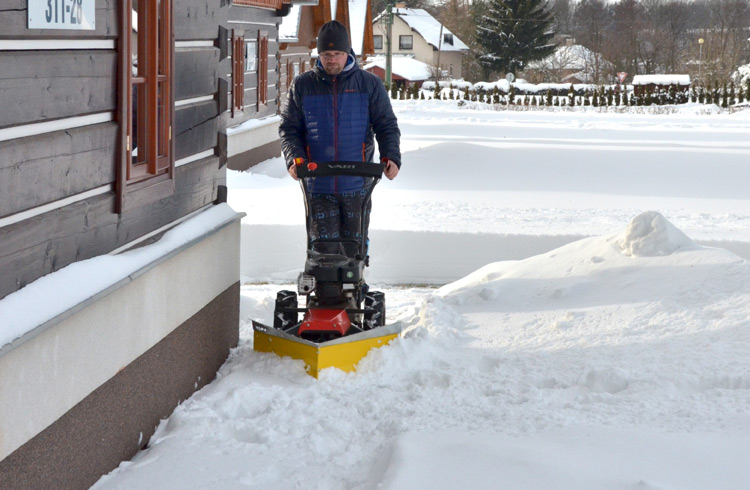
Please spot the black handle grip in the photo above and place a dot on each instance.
(333, 169)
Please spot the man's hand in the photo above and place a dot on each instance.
(293, 172)
(391, 170)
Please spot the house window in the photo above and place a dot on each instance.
(448, 38)
(262, 68)
(146, 168)
(405, 43)
(251, 56)
(238, 72)
(377, 41)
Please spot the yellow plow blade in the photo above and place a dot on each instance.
(343, 353)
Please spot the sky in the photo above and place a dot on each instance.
(569, 318)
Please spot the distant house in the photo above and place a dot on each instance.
(419, 35)
(571, 63)
(405, 71)
(652, 83)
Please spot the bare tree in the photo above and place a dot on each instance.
(628, 21)
(562, 10)
(592, 21)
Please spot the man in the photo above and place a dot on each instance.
(331, 114)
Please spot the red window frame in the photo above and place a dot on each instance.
(262, 68)
(146, 112)
(272, 4)
(238, 72)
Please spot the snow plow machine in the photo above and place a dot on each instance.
(341, 320)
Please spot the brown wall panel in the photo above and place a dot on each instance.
(196, 72)
(44, 168)
(196, 128)
(72, 83)
(198, 19)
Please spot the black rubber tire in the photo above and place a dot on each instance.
(374, 309)
(282, 319)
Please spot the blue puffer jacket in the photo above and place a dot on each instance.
(329, 119)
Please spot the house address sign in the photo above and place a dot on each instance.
(62, 14)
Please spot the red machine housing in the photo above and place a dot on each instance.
(325, 321)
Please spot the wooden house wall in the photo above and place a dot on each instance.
(59, 136)
(251, 21)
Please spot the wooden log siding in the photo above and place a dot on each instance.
(74, 83)
(14, 14)
(198, 20)
(199, 70)
(46, 243)
(48, 167)
(196, 128)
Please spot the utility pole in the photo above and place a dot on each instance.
(439, 73)
(388, 48)
(700, 60)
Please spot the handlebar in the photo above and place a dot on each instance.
(333, 169)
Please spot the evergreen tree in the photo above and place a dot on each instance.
(513, 33)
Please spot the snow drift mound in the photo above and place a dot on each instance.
(651, 235)
(638, 262)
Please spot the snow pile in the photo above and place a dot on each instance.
(650, 235)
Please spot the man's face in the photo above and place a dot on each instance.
(333, 61)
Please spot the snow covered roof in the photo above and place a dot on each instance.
(669, 79)
(429, 28)
(572, 57)
(289, 27)
(403, 66)
(357, 18)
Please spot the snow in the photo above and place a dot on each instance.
(289, 26)
(661, 79)
(616, 360)
(408, 68)
(252, 124)
(572, 57)
(742, 75)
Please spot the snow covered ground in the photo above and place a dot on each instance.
(584, 338)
